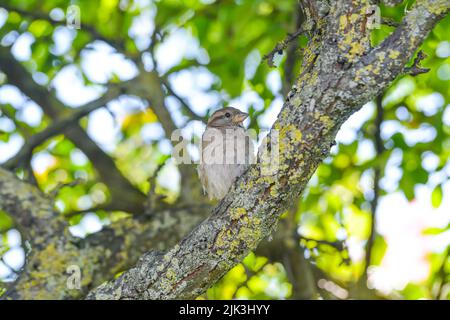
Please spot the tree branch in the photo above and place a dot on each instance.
(59, 126)
(281, 46)
(251, 209)
(32, 211)
(99, 256)
(416, 68)
(291, 55)
(125, 196)
(151, 88)
(379, 148)
(92, 31)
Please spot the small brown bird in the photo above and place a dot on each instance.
(225, 152)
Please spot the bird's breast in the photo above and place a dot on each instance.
(229, 146)
(225, 155)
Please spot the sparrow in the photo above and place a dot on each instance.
(226, 151)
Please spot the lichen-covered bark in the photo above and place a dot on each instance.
(340, 73)
(100, 256)
(32, 211)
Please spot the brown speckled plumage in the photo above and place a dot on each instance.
(226, 152)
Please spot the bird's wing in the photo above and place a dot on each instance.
(203, 178)
(252, 151)
(200, 168)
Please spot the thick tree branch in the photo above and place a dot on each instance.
(379, 148)
(361, 289)
(390, 57)
(416, 68)
(32, 211)
(341, 79)
(152, 89)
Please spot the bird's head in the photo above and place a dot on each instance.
(227, 117)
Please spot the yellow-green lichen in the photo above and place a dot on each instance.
(393, 54)
(236, 213)
(245, 235)
(356, 36)
(437, 7)
(327, 122)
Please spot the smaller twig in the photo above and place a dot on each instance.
(54, 193)
(442, 274)
(416, 68)
(281, 46)
(152, 49)
(118, 45)
(154, 176)
(31, 176)
(392, 3)
(113, 115)
(184, 206)
(101, 207)
(192, 115)
(379, 148)
(339, 245)
(390, 22)
(154, 198)
(13, 270)
(186, 64)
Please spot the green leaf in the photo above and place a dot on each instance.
(378, 251)
(433, 231)
(436, 196)
(5, 221)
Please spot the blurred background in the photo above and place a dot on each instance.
(374, 221)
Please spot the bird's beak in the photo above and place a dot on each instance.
(241, 116)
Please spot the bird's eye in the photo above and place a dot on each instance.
(227, 114)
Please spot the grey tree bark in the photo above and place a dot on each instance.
(340, 73)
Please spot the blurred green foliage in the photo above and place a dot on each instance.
(233, 37)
